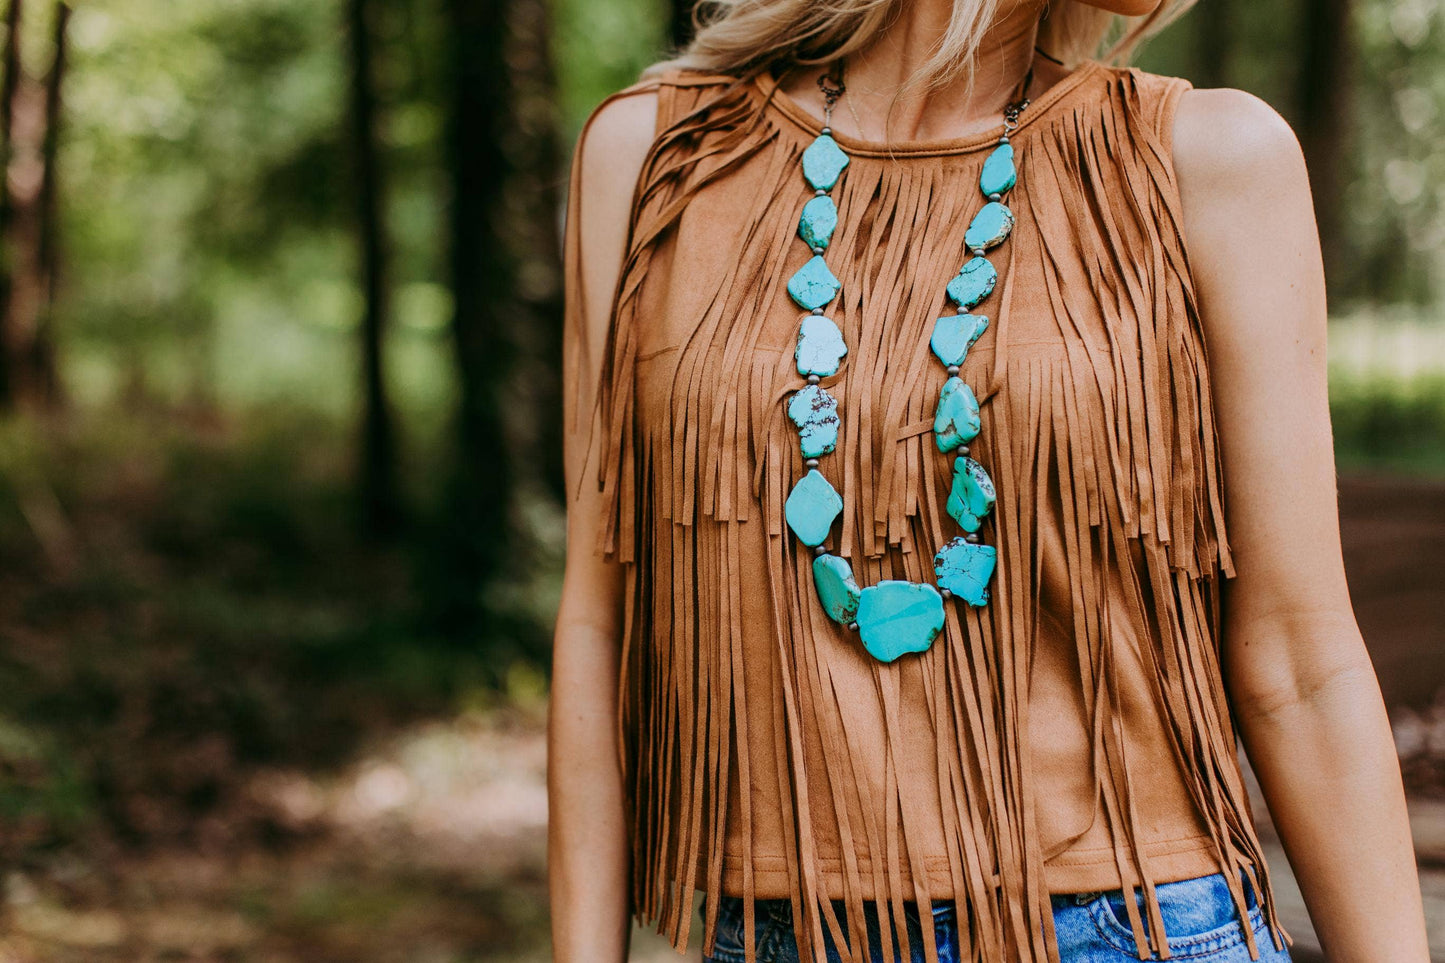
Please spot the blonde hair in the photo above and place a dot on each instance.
(743, 36)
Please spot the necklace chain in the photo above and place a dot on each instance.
(833, 88)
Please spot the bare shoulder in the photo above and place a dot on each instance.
(1230, 140)
(1248, 221)
(614, 143)
(609, 156)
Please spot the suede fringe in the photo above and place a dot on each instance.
(1120, 429)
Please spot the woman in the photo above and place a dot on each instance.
(915, 364)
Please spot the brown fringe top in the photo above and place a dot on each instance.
(1074, 734)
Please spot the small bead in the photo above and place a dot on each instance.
(820, 550)
(812, 379)
(817, 250)
(827, 130)
(971, 537)
(1003, 139)
(853, 626)
(979, 252)
(962, 449)
(995, 197)
(945, 593)
(818, 311)
(811, 463)
(952, 370)
(820, 193)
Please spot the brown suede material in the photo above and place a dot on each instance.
(1073, 734)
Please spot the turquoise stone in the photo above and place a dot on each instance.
(820, 346)
(964, 568)
(974, 282)
(815, 412)
(998, 171)
(819, 219)
(954, 334)
(897, 617)
(811, 508)
(957, 419)
(823, 162)
(833, 578)
(972, 495)
(814, 285)
(989, 227)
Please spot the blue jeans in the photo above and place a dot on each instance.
(1199, 921)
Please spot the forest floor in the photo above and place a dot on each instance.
(427, 844)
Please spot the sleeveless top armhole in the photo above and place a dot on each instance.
(690, 103)
(585, 421)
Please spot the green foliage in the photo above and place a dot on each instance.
(600, 47)
(1396, 196)
(1389, 426)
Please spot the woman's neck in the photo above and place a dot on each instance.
(875, 76)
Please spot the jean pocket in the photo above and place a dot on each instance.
(1199, 917)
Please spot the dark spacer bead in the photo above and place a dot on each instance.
(952, 370)
(971, 537)
(820, 550)
(812, 379)
(811, 463)
(853, 626)
(945, 593)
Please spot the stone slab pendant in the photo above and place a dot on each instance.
(974, 282)
(999, 174)
(820, 346)
(823, 163)
(972, 496)
(814, 285)
(896, 617)
(815, 412)
(836, 587)
(964, 568)
(989, 228)
(957, 419)
(817, 223)
(954, 334)
(812, 507)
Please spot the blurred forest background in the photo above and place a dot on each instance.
(280, 531)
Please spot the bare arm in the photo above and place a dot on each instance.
(1304, 692)
(588, 845)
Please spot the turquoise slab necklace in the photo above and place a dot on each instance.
(895, 616)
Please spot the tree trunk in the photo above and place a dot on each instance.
(682, 22)
(380, 503)
(29, 377)
(1323, 96)
(1216, 43)
(43, 352)
(478, 527)
(534, 191)
(9, 86)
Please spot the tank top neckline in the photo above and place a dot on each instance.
(773, 95)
